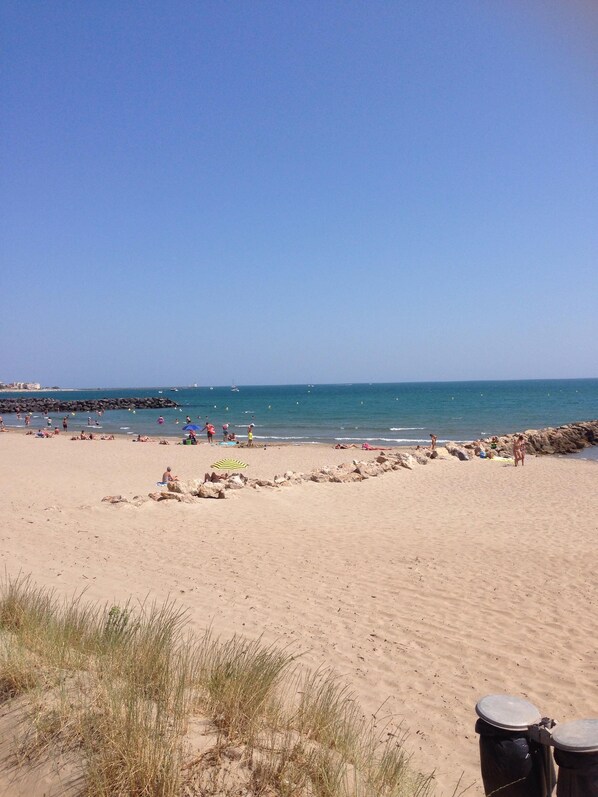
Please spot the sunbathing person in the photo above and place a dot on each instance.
(168, 477)
(215, 477)
(346, 445)
(368, 447)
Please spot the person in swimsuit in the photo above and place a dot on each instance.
(519, 450)
(433, 438)
(168, 477)
(250, 435)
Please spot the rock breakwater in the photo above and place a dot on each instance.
(565, 439)
(48, 405)
(188, 491)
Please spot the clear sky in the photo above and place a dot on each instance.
(311, 191)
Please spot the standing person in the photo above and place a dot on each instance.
(225, 432)
(250, 435)
(65, 424)
(1, 421)
(433, 438)
(49, 422)
(209, 430)
(519, 450)
(27, 420)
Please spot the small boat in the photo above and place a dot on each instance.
(234, 389)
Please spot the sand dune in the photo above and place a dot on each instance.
(425, 589)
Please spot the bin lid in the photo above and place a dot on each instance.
(580, 736)
(507, 712)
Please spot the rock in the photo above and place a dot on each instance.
(212, 490)
(190, 487)
(458, 451)
(421, 459)
(262, 483)
(407, 461)
(115, 499)
(166, 496)
(345, 478)
(235, 483)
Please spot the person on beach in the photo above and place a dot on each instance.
(346, 445)
(65, 424)
(250, 435)
(168, 477)
(215, 477)
(27, 420)
(209, 430)
(519, 450)
(49, 422)
(1, 421)
(367, 447)
(433, 438)
(224, 432)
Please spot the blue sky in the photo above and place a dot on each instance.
(276, 192)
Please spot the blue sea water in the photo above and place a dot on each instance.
(382, 414)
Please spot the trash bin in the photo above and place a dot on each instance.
(576, 753)
(512, 765)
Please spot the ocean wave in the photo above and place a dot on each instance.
(380, 440)
(275, 437)
(390, 440)
(406, 428)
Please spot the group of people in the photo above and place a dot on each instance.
(210, 430)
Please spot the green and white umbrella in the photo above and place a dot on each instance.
(229, 464)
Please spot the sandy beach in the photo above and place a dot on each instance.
(424, 589)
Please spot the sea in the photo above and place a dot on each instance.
(391, 414)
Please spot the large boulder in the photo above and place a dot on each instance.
(406, 461)
(212, 490)
(189, 487)
(458, 451)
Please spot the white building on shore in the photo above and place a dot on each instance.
(20, 386)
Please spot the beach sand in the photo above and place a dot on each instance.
(424, 589)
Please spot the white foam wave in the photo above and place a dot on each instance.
(406, 428)
(275, 437)
(380, 440)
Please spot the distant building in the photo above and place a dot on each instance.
(20, 386)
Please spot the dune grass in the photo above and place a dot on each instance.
(120, 685)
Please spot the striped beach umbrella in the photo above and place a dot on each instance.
(229, 464)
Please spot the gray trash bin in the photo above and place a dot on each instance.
(576, 753)
(512, 765)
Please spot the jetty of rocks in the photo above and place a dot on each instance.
(189, 491)
(565, 439)
(48, 405)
